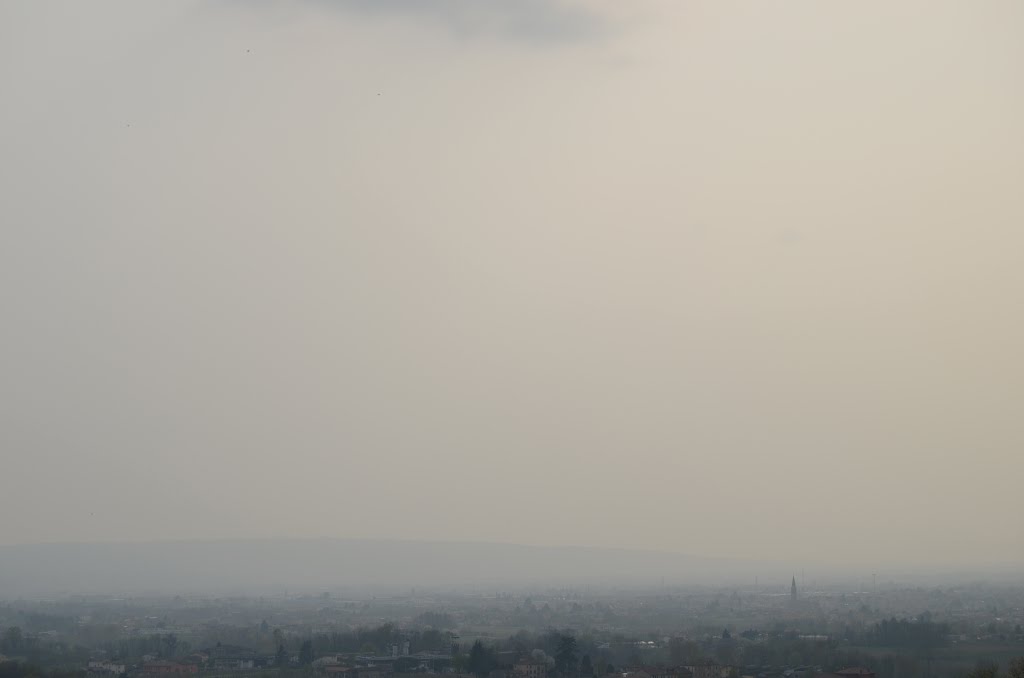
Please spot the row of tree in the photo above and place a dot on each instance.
(910, 634)
(565, 657)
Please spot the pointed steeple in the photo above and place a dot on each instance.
(792, 590)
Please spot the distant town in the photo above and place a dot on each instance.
(782, 630)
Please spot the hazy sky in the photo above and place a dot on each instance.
(728, 278)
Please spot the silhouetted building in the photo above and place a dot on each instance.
(530, 668)
(707, 670)
(660, 672)
(856, 672)
(165, 667)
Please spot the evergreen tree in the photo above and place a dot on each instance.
(481, 659)
(565, 656)
(306, 653)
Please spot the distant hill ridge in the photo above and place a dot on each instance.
(273, 565)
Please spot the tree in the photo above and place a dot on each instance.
(170, 645)
(985, 670)
(481, 659)
(432, 639)
(13, 639)
(306, 653)
(586, 668)
(684, 652)
(565, 656)
(521, 641)
(725, 652)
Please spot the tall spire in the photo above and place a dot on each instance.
(792, 590)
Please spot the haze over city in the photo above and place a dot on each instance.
(511, 339)
(735, 280)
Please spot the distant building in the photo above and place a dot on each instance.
(230, 658)
(792, 590)
(710, 670)
(165, 668)
(530, 668)
(339, 670)
(856, 672)
(106, 668)
(326, 661)
(660, 672)
(852, 672)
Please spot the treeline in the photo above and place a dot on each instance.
(560, 651)
(163, 645)
(991, 670)
(377, 640)
(29, 648)
(364, 640)
(10, 669)
(786, 649)
(910, 634)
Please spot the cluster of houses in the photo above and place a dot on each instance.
(159, 668)
(227, 659)
(221, 659)
(107, 668)
(711, 670)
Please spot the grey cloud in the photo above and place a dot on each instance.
(540, 21)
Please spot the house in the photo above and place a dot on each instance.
(106, 668)
(165, 668)
(322, 663)
(233, 663)
(660, 672)
(856, 672)
(530, 668)
(338, 670)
